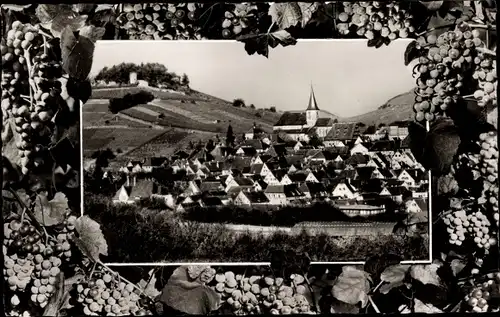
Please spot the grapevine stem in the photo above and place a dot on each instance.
(22, 214)
(377, 287)
(270, 27)
(45, 48)
(370, 299)
(312, 292)
(45, 34)
(93, 270)
(486, 51)
(30, 214)
(125, 280)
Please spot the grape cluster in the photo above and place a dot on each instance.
(488, 168)
(375, 19)
(461, 224)
(238, 19)
(257, 294)
(30, 262)
(442, 69)
(478, 299)
(105, 294)
(47, 269)
(30, 91)
(485, 72)
(161, 21)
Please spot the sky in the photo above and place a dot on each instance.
(348, 77)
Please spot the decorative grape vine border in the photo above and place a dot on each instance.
(51, 253)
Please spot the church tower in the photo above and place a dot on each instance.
(312, 112)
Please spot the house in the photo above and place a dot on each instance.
(192, 189)
(241, 182)
(142, 188)
(293, 178)
(251, 198)
(359, 149)
(345, 132)
(397, 193)
(254, 133)
(344, 190)
(210, 202)
(412, 177)
(421, 192)
(323, 127)
(415, 205)
(314, 190)
(249, 151)
(283, 194)
(399, 132)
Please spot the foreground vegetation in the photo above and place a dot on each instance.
(164, 238)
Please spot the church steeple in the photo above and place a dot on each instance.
(312, 111)
(313, 105)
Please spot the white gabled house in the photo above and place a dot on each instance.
(408, 180)
(344, 190)
(359, 149)
(192, 189)
(265, 170)
(270, 179)
(311, 178)
(358, 140)
(385, 192)
(416, 205)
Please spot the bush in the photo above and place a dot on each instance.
(272, 109)
(238, 102)
(258, 115)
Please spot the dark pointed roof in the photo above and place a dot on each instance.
(313, 105)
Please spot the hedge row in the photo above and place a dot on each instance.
(286, 216)
(161, 237)
(130, 100)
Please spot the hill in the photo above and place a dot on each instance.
(191, 117)
(398, 108)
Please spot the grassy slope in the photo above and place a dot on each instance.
(395, 109)
(191, 120)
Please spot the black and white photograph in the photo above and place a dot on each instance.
(199, 153)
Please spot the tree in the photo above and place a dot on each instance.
(335, 120)
(315, 140)
(370, 130)
(210, 145)
(252, 106)
(361, 124)
(230, 136)
(238, 102)
(381, 125)
(272, 109)
(185, 80)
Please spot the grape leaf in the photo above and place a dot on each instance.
(83, 7)
(16, 7)
(395, 273)
(421, 307)
(432, 5)
(149, 287)
(90, 239)
(58, 17)
(9, 139)
(77, 54)
(427, 274)
(287, 262)
(11, 172)
(188, 296)
(259, 43)
(339, 307)
(447, 185)
(352, 286)
(288, 14)
(442, 143)
(103, 7)
(411, 52)
(50, 212)
(457, 266)
(492, 118)
(376, 264)
(92, 33)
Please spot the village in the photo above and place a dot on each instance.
(309, 157)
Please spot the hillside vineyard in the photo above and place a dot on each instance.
(309, 160)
